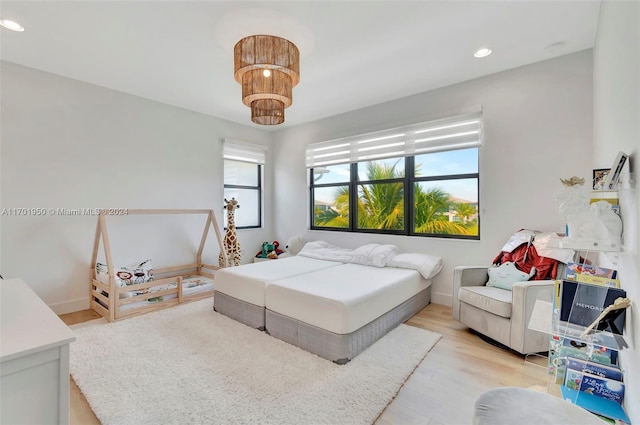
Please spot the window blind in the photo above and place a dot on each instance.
(453, 133)
(246, 152)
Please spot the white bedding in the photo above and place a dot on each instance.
(373, 254)
(247, 282)
(376, 255)
(342, 299)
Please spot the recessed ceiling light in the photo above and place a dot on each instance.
(481, 53)
(11, 25)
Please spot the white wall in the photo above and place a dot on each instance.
(537, 129)
(617, 128)
(68, 144)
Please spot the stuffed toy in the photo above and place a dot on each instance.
(266, 249)
(293, 246)
(277, 248)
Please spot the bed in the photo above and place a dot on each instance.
(240, 291)
(331, 301)
(120, 292)
(336, 313)
(163, 292)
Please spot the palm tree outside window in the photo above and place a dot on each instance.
(432, 194)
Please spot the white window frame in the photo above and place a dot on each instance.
(253, 154)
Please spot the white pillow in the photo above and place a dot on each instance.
(427, 265)
(505, 275)
(374, 254)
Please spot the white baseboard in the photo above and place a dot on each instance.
(443, 299)
(70, 306)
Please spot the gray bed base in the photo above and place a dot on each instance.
(244, 312)
(342, 348)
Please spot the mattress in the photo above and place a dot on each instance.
(247, 282)
(342, 348)
(344, 298)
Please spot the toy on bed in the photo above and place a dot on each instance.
(119, 292)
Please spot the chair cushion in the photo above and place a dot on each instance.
(494, 300)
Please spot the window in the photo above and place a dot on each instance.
(243, 180)
(418, 180)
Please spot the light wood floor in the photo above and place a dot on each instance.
(441, 390)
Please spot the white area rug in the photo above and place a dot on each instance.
(191, 365)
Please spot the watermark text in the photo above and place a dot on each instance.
(31, 211)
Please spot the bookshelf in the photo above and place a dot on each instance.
(582, 362)
(590, 295)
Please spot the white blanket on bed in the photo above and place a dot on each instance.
(377, 255)
(374, 254)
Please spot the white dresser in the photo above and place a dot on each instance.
(34, 355)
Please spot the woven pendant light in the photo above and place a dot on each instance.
(256, 86)
(267, 112)
(268, 68)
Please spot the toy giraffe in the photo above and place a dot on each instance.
(231, 243)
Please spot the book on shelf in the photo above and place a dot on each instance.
(557, 292)
(582, 303)
(590, 269)
(581, 350)
(597, 280)
(594, 404)
(561, 349)
(609, 389)
(594, 368)
(589, 273)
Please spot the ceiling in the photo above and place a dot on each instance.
(353, 53)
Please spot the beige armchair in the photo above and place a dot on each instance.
(500, 314)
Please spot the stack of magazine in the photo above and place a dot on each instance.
(585, 365)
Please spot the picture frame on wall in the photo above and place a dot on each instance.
(599, 178)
